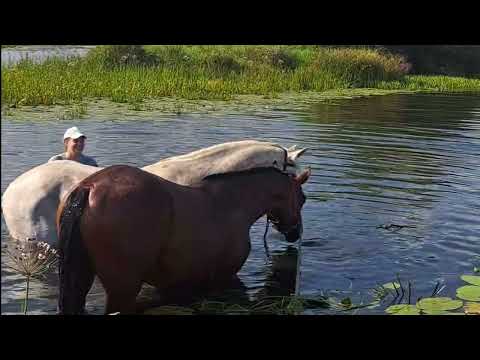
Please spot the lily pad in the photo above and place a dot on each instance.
(439, 304)
(440, 312)
(469, 292)
(389, 285)
(472, 308)
(403, 309)
(471, 279)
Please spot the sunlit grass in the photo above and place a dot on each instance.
(434, 83)
(132, 74)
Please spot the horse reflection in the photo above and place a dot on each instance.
(282, 274)
(280, 280)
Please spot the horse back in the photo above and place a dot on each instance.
(128, 188)
(116, 222)
(126, 207)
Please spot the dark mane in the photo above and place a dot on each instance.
(257, 170)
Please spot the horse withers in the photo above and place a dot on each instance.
(130, 227)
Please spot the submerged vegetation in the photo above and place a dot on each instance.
(396, 299)
(271, 305)
(133, 74)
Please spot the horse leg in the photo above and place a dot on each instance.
(84, 286)
(122, 298)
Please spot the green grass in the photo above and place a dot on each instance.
(132, 74)
(433, 83)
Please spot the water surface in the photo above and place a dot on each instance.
(409, 160)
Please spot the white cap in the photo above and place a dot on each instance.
(73, 133)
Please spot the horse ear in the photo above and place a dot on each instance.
(291, 148)
(303, 177)
(293, 155)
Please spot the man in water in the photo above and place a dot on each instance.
(74, 142)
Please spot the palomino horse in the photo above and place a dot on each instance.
(29, 203)
(128, 227)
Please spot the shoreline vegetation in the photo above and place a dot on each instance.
(140, 75)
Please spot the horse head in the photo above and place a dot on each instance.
(286, 215)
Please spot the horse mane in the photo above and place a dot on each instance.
(219, 149)
(252, 171)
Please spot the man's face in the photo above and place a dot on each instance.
(75, 145)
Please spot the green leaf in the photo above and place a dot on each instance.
(439, 304)
(471, 279)
(440, 312)
(403, 309)
(469, 292)
(389, 285)
(472, 308)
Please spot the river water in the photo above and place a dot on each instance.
(408, 160)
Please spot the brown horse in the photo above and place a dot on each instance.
(128, 227)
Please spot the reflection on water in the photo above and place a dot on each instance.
(408, 160)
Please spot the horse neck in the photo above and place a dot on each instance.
(254, 194)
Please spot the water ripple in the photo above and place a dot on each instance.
(409, 160)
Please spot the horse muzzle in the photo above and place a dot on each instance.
(294, 234)
(291, 234)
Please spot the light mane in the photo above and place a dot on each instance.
(217, 150)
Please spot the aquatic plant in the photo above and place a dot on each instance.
(469, 292)
(132, 73)
(32, 259)
(268, 305)
(77, 111)
(403, 309)
(437, 305)
(471, 279)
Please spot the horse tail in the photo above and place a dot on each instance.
(75, 266)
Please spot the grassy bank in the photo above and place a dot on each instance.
(133, 74)
(426, 83)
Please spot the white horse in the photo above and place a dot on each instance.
(30, 202)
